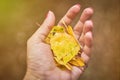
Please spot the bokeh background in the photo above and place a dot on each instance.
(18, 22)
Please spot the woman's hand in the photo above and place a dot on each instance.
(40, 61)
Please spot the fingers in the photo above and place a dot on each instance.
(86, 15)
(85, 57)
(70, 15)
(45, 28)
(86, 40)
(78, 29)
(76, 72)
(87, 48)
(88, 26)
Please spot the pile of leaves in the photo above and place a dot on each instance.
(66, 48)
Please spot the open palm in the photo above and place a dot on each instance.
(40, 62)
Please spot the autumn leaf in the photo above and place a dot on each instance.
(65, 46)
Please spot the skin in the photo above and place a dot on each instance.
(40, 62)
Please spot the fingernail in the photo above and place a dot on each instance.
(47, 14)
(78, 4)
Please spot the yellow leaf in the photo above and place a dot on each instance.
(65, 46)
(77, 61)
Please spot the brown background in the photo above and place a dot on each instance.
(17, 24)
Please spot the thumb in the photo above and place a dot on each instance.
(46, 26)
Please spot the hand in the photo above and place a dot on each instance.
(40, 62)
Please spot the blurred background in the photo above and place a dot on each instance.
(18, 22)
